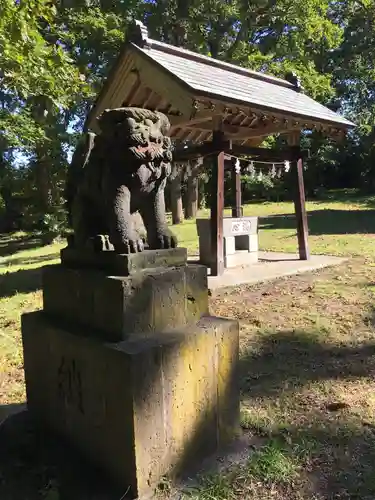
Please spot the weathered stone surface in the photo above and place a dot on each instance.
(236, 226)
(123, 264)
(240, 234)
(229, 245)
(117, 173)
(241, 258)
(232, 226)
(247, 242)
(196, 292)
(116, 307)
(142, 408)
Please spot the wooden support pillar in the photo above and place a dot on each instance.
(176, 196)
(236, 186)
(217, 208)
(300, 209)
(299, 197)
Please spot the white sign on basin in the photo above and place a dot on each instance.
(240, 226)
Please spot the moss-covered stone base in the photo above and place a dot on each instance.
(142, 408)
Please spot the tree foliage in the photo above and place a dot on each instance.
(54, 57)
(37, 77)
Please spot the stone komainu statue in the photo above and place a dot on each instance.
(115, 175)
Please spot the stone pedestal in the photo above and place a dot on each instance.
(132, 369)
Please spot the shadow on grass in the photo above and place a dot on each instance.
(296, 358)
(336, 448)
(10, 245)
(326, 222)
(42, 460)
(339, 446)
(25, 261)
(35, 465)
(24, 281)
(330, 459)
(343, 453)
(346, 196)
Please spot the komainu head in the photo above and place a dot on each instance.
(140, 131)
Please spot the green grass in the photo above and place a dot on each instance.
(307, 363)
(336, 227)
(272, 463)
(215, 487)
(21, 258)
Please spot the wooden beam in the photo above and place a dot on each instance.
(236, 186)
(251, 110)
(148, 98)
(125, 75)
(190, 135)
(255, 142)
(180, 134)
(162, 83)
(268, 154)
(240, 118)
(183, 121)
(161, 104)
(239, 132)
(136, 86)
(269, 129)
(217, 206)
(194, 151)
(228, 129)
(200, 136)
(290, 153)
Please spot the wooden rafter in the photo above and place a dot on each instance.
(187, 91)
(239, 118)
(200, 135)
(148, 98)
(180, 134)
(161, 104)
(269, 129)
(134, 88)
(239, 132)
(190, 135)
(182, 121)
(158, 101)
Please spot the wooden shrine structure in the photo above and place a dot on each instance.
(219, 109)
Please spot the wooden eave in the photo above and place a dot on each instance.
(137, 80)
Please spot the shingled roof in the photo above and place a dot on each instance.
(187, 85)
(213, 78)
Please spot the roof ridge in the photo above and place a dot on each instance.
(195, 56)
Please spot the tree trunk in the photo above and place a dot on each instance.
(176, 196)
(191, 200)
(9, 220)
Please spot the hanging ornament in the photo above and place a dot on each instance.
(279, 173)
(260, 176)
(237, 166)
(287, 165)
(273, 171)
(251, 169)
